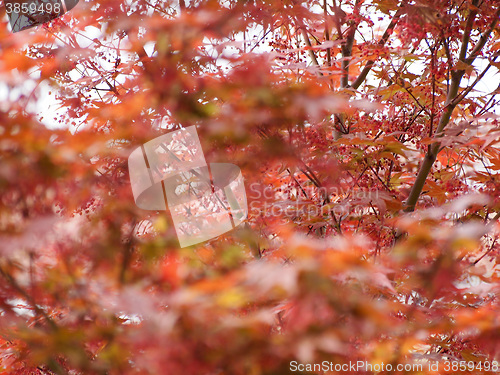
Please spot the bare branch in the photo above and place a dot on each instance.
(327, 33)
(467, 31)
(338, 18)
(347, 47)
(14, 284)
(312, 55)
(364, 73)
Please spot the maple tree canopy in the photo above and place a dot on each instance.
(367, 135)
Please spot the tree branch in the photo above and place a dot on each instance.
(451, 103)
(464, 93)
(327, 34)
(338, 18)
(347, 47)
(468, 28)
(483, 39)
(312, 55)
(13, 283)
(364, 73)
